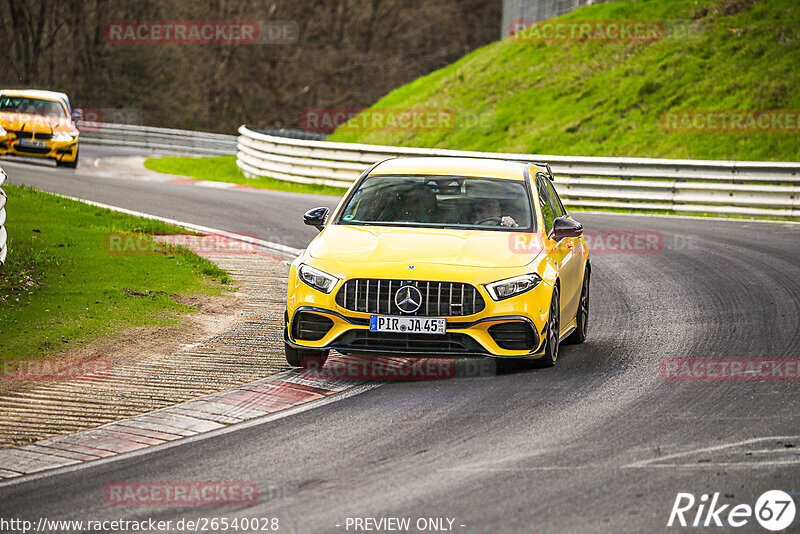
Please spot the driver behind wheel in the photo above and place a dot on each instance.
(488, 212)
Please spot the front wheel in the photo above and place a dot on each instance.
(553, 331)
(306, 358)
(582, 317)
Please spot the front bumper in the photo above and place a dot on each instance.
(57, 150)
(465, 335)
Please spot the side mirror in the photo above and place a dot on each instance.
(316, 217)
(564, 227)
(77, 115)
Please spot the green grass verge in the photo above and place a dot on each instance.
(61, 288)
(607, 98)
(224, 169)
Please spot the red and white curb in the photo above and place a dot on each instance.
(251, 401)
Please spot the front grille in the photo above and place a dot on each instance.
(31, 150)
(310, 326)
(516, 335)
(367, 341)
(30, 135)
(441, 299)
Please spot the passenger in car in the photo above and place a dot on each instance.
(488, 212)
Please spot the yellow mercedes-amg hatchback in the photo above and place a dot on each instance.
(445, 257)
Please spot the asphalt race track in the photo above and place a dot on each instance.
(270, 215)
(600, 443)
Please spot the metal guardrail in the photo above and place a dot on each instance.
(150, 137)
(295, 134)
(3, 233)
(738, 188)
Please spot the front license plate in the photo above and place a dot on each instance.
(408, 325)
(32, 144)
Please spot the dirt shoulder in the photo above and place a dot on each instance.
(229, 340)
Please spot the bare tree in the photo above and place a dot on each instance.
(349, 53)
(34, 28)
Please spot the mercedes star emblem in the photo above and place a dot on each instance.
(408, 299)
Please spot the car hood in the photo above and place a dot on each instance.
(23, 122)
(468, 248)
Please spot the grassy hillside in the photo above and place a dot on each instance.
(607, 98)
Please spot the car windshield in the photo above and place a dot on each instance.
(32, 106)
(440, 201)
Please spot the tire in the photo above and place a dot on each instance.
(553, 329)
(306, 358)
(582, 315)
(69, 164)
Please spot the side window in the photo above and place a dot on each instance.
(544, 202)
(558, 207)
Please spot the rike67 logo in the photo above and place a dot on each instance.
(774, 510)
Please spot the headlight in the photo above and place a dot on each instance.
(316, 278)
(3, 132)
(511, 287)
(62, 137)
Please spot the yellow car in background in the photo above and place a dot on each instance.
(445, 257)
(38, 124)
